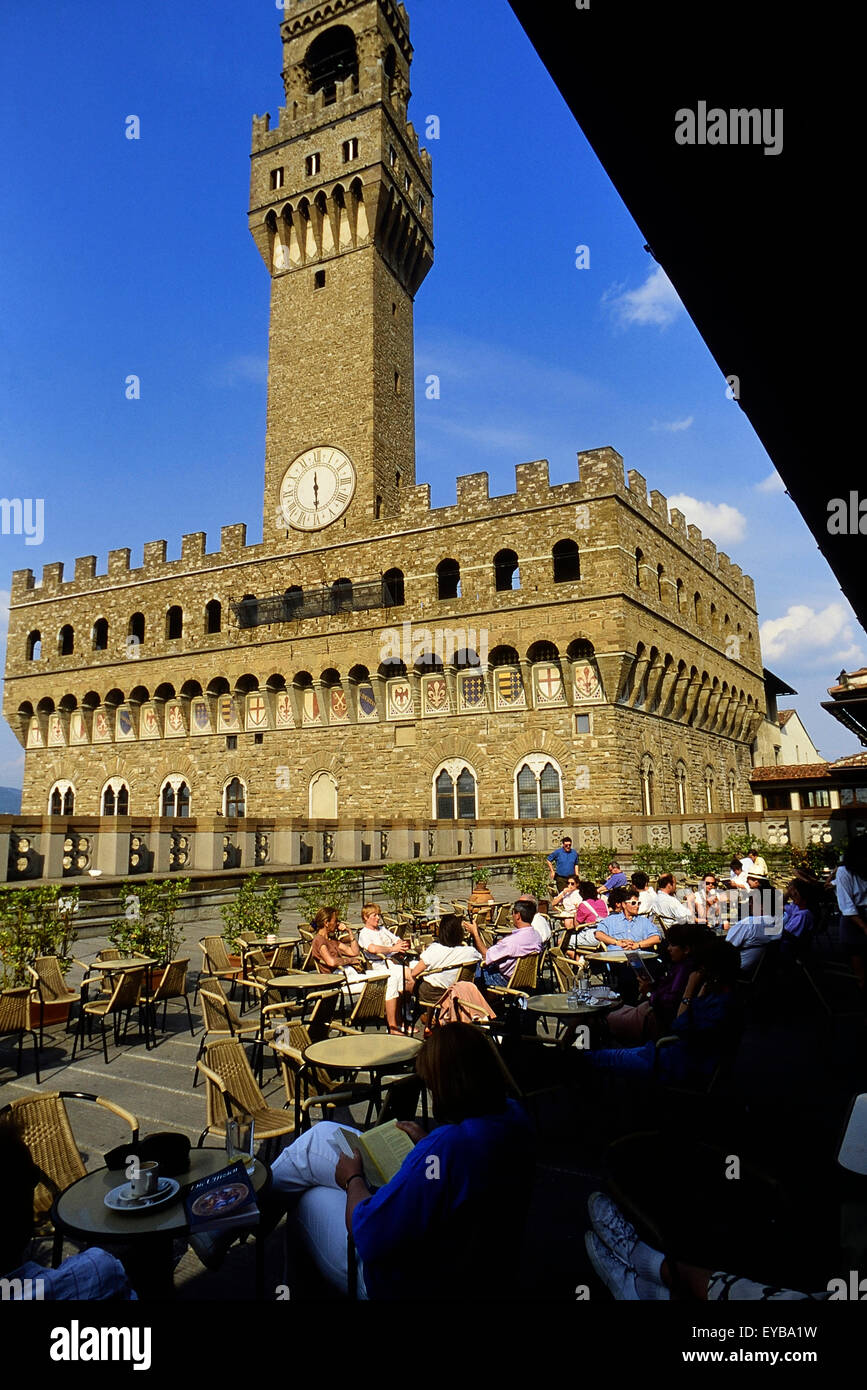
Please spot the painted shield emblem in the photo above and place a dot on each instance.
(401, 698)
(549, 684)
(227, 710)
(366, 701)
(101, 724)
(311, 707)
(201, 714)
(256, 710)
(150, 721)
(509, 687)
(176, 719)
(586, 683)
(80, 730)
(473, 691)
(338, 704)
(436, 694)
(283, 710)
(124, 722)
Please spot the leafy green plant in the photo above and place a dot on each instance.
(254, 912)
(330, 888)
(593, 863)
(658, 859)
(408, 886)
(815, 858)
(532, 875)
(35, 921)
(148, 923)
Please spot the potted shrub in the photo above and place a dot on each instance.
(37, 921)
(148, 925)
(252, 914)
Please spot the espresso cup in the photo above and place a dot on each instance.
(144, 1184)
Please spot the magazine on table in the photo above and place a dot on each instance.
(222, 1200)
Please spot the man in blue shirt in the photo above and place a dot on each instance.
(563, 863)
(625, 928)
(616, 878)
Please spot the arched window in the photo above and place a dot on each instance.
(567, 562)
(34, 646)
(100, 635)
(455, 791)
(506, 572)
(448, 579)
(235, 799)
(175, 797)
(136, 627)
(680, 784)
(115, 798)
(62, 800)
(322, 796)
(393, 589)
(538, 788)
(660, 573)
(66, 640)
(708, 789)
(639, 556)
(680, 595)
(174, 623)
(332, 58)
(647, 785)
(698, 607)
(341, 596)
(214, 616)
(732, 784)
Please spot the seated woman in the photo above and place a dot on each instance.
(335, 948)
(703, 1025)
(570, 899)
(448, 951)
(656, 1011)
(588, 912)
(459, 1197)
(381, 944)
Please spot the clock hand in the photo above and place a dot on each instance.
(315, 491)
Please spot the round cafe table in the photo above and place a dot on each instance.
(305, 980)
(357, 1052)
(80, 1212)
(559, 1006)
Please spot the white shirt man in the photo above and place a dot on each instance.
(667, 907)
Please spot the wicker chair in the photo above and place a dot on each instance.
(215, 961)
(232, 1090)
(125, 996)
(220, 1020)
(52, 987)
(173, 985)
(524, 980)
(16, 1016)
(281, 960)
(370, 1005)
(42, 1121)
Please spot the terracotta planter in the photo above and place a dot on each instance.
(235, 962)
(53, 1012)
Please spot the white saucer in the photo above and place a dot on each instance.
(121, 1199)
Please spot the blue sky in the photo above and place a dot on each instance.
(121, 256)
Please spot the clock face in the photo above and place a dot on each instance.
(317, 488)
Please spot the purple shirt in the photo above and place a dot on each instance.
(523, 942)
(617, 880)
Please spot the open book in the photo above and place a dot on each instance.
(382, 1150)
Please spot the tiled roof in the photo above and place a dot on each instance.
(790, 772)
(783, 716)
(854, 760)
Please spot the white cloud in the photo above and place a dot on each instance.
(243, 370)
(717, 520)
(655, 302)
(803, 630)
(772, 483)
(673, 426)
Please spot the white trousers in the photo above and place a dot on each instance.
(307, 1166)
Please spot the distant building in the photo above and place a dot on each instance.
(848, 702)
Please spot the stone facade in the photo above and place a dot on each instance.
(590, 655)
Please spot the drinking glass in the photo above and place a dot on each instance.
(240, 1141)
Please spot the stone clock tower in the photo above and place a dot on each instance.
(341, 212)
